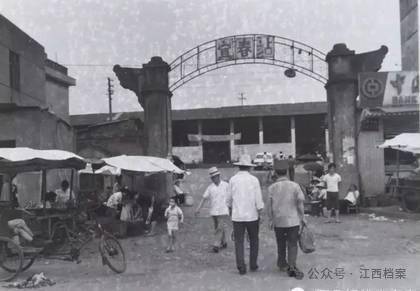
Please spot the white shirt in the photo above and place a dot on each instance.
(63, 196)
(244, 197)
(352, 197)
(332, 182)
(217, 195)
(114, 200)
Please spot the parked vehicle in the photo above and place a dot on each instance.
(264, 160)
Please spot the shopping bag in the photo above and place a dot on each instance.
(306, 240)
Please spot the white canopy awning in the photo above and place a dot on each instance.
(23, 159)
(105, 170)
(407, 142)
(144, 164)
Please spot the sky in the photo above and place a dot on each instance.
(90, 36)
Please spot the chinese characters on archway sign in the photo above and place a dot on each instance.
(245, 47)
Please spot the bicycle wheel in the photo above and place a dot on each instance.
(112, 253)
(11, 259)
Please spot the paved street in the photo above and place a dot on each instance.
(357, 243)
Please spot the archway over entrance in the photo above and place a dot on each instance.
(152, 86)
(246, 49)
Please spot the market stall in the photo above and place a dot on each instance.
(408, 189)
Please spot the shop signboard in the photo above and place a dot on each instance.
(389, 89)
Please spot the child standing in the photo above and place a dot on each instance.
(175, 216)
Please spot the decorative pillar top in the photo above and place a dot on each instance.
(344, 65)
(153, 76)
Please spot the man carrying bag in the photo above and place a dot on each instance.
(286, 215)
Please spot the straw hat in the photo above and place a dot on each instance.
(213, 171)
(245, 161)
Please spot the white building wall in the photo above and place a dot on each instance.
(253, 149)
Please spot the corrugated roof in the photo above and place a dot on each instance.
(213, 113)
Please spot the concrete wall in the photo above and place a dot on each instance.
(371, 162)
(195, 153)
(189, 155)
(253, 149)
(57, 99)
(110, 139)
(409, 35)
(37, 129)
(32, 73)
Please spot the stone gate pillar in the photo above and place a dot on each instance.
(342, 90)
(151, 85)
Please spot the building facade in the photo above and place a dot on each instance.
(34, 102)
(212, 135)
(409, 28)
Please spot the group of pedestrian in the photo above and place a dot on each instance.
(241, 199)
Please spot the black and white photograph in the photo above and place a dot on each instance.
(225, 145)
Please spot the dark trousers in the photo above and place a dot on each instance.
(252, 227)
(292, 174)
(287, 237)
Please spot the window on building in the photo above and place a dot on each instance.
(276, 129)
(7, 143)
(14, 70)
(249, 130)
(180, 131)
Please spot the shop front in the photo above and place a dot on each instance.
(388, 107)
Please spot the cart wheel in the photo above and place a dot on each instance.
(11, 259)
(112, 253)
(410, 201)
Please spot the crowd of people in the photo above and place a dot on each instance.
(238, 201)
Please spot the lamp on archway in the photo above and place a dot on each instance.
(290, 73)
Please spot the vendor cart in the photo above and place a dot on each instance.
(61, 233)
(407, 188)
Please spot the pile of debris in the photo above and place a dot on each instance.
(35, 281)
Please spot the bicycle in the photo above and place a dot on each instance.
(15, 258)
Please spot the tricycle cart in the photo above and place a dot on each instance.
(62, 234)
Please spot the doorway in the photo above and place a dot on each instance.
(216, 152)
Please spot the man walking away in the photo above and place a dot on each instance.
(332, 181)
(286, 213)
(216, 194)
(245, 206)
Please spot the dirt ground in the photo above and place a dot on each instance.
(352, 255)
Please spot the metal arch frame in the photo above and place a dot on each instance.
(195, 53)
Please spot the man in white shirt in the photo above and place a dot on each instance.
(63, 193)
(245, 205)
(333, 182)
(216, 194)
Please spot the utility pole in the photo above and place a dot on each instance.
(242, 98)
(110, 92)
